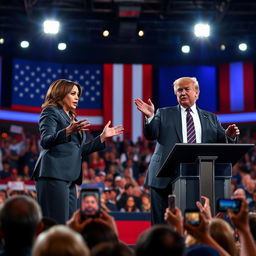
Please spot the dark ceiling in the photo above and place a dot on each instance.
(167, 23)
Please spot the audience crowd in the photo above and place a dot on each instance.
(121, 168)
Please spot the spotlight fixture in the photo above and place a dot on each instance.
(24, 44)
(141, 33)
(62, 46)
(51, 26)
(202, 30)
(185, 48)
(105, 33)
(222, 47)
(242, 47)
(1, 40)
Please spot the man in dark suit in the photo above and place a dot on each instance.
(169, 126)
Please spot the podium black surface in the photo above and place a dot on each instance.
(203, 169)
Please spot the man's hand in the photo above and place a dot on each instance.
(147, 109)
(232, 131)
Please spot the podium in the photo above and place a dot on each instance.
(201, 169)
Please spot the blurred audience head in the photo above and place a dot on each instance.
(112, 249)
(96, 232)
(20, 218)
(223, 234)
(60, 241)
(160, 240)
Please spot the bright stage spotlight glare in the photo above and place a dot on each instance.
(222, 47)
(185, 48)
(24, 44)
(51, 27)
(105, 33)
(242, 47)
(62, 46)
(1, 40)
(202, 30)
(141, 33)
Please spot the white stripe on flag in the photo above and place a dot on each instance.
(136, 93)
(118, 95)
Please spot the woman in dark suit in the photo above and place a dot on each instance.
(58, 168)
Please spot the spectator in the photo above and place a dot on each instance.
(160, 240)
(112, 249)
(130, 205)
(146, 204)
(20, 219)
(60, 241)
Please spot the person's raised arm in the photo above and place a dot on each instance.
(202, 234)
(241, 222)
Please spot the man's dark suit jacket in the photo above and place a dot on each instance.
(61, 156)
(166, 129)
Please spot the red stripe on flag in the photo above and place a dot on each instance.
(248, 87)
(127, 100)
(146, 85)
(224, 90)
(89, 112)
(26, 108)
(108, 93)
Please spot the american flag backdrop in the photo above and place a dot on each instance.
(108, 90)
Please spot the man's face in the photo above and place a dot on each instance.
(186, 94)
(90, 205)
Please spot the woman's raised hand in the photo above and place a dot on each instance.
(75, 126)
(109, 132)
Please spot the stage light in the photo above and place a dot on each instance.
(51, 26)
(202, 30)
(242, 47)
(24, 44)
(62, 46)
(1, 40)
(185, 48)
(141, 33)
(222, 47)
(105, 33)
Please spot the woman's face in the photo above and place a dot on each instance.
(70, 101)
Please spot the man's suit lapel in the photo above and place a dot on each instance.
(178, 124)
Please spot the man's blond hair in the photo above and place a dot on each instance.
(185, 80)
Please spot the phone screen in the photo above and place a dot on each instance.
(233, 204)
(192, 217)
(171, 202)
(89, 203)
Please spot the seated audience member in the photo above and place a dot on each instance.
(20, 219)
(112, 249)
(145, 203)
(128, 191)
(60, 241)
(130, 205)
(160, 240)
(95, 230)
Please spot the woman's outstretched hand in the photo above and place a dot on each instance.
(76, 126)
(109, 132)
